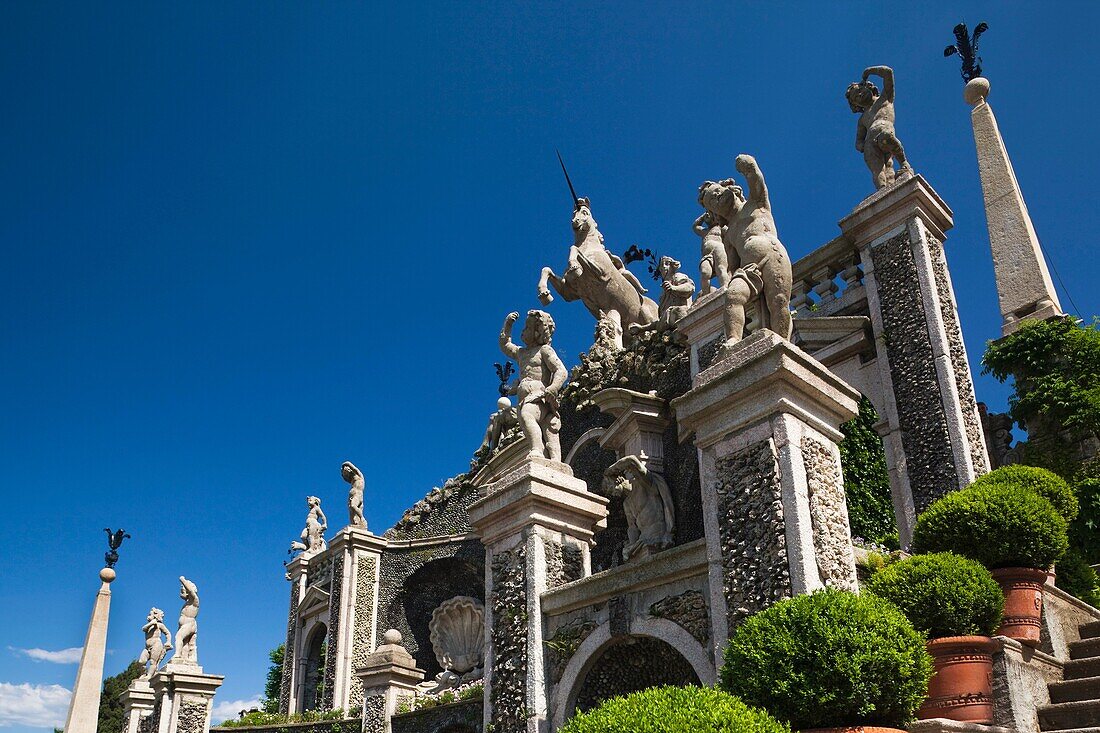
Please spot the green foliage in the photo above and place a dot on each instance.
(1056, 368)
(827, 659)
(422, 702)
(866, 481)
(1076, 577)
(273, 720)
(111, 711)
(1046, 484)
(942, 594)
(273, 685)
(674, 710)
(999, 525)
(1085, 530)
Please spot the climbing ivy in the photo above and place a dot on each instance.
(866, 481)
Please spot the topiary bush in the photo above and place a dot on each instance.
(828, 659)
(1076, 577)
(674, 710)
(1046, 484)
(1000, 526)
(942, 594)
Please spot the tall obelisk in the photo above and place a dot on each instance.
(83, 714)
(1024, 288)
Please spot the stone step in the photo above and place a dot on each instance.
(1066, 715)
(1091, 630)
(1085, 648)
(1077, 730)
(1086, 688)
(1079, 669)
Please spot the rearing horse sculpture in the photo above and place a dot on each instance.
(598, 278)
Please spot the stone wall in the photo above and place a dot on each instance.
(363, 634)
(458, 717)
(828, 514)
(349, 725)
(507, 689)
(632, 664)
(332, 650)
(285, 688)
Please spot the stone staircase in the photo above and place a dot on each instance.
(1075, 701)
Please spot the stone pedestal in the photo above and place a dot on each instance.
(765, 420)
(185, 697)
(931, 429)
(639, 427)
(386, 676)
(138, 703)
(1024, 288)
(337, 587)
(537, 524)
(83, 716)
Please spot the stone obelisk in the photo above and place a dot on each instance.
(1024, 288)
(84, 706)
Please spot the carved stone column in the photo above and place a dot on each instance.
(765, 420)
(931, 427)
(185, 697)
(137, 703)
(537, 524)
(386, 676)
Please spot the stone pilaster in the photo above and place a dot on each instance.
(296, 574)
(931, 426)
(83, 715)
(1024, 288)
(386, 676)
(185, 698)
(138, 703)
(529, 520)
(766, 423)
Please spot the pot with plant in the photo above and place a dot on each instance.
(1010, 529)
(830, 660)
(957, 604)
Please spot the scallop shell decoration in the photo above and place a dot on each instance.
(457, 632)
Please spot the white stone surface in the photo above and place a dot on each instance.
(541, 377)
(83, 716)
(356, 484)
(158, 640)
(1024, 287)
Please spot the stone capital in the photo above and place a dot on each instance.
(640, 423)
(356, 538)
(538, 493)
(763, 376)
(894, 206)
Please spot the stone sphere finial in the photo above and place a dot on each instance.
(107, 575)
(392, 636)
(976, 90)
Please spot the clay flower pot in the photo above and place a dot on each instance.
(854, 729)
(1023, 589)
(962, 683)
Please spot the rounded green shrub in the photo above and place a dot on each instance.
(831, 658)
(674, 710)
(942, 594)
(1075, 576)
(999, 525)
(1046, 484)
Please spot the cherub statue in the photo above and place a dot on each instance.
(753, 247)
(313, 536)
(541, 376)
(875, 135)
(500, 422)
(187, 634)
(650, 516)
(597, 277)
(713, 264)
(354, 477)
(158, 640)
(677, 290)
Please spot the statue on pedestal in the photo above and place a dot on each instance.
(597, 277)
(354, 477)
(541, 376)
(757, 260)
(313, 536)
(713, 264)
(188, 631)
(158, 640)
(677, 290)
(647, 502)
(875, 135)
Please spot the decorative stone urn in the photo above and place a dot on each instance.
(962, 686)
(1023, 590)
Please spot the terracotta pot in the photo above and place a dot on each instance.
(854, 729)
(1023, 589)
(962, 684)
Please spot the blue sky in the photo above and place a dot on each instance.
(244, 242)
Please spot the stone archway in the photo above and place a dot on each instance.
(631, 663)
(313, 668)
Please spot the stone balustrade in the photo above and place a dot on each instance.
(829, 281)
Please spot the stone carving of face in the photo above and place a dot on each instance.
(537, 329)
(723, 199)
(348, 472)
(669, 267)
(861, 95)
(582, 219)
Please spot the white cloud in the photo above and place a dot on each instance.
(61, 656)
(230, 709)
(34, 706)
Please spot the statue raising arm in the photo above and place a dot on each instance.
(506, 345)
(558, 373)
(758, 189)
(887, 76)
